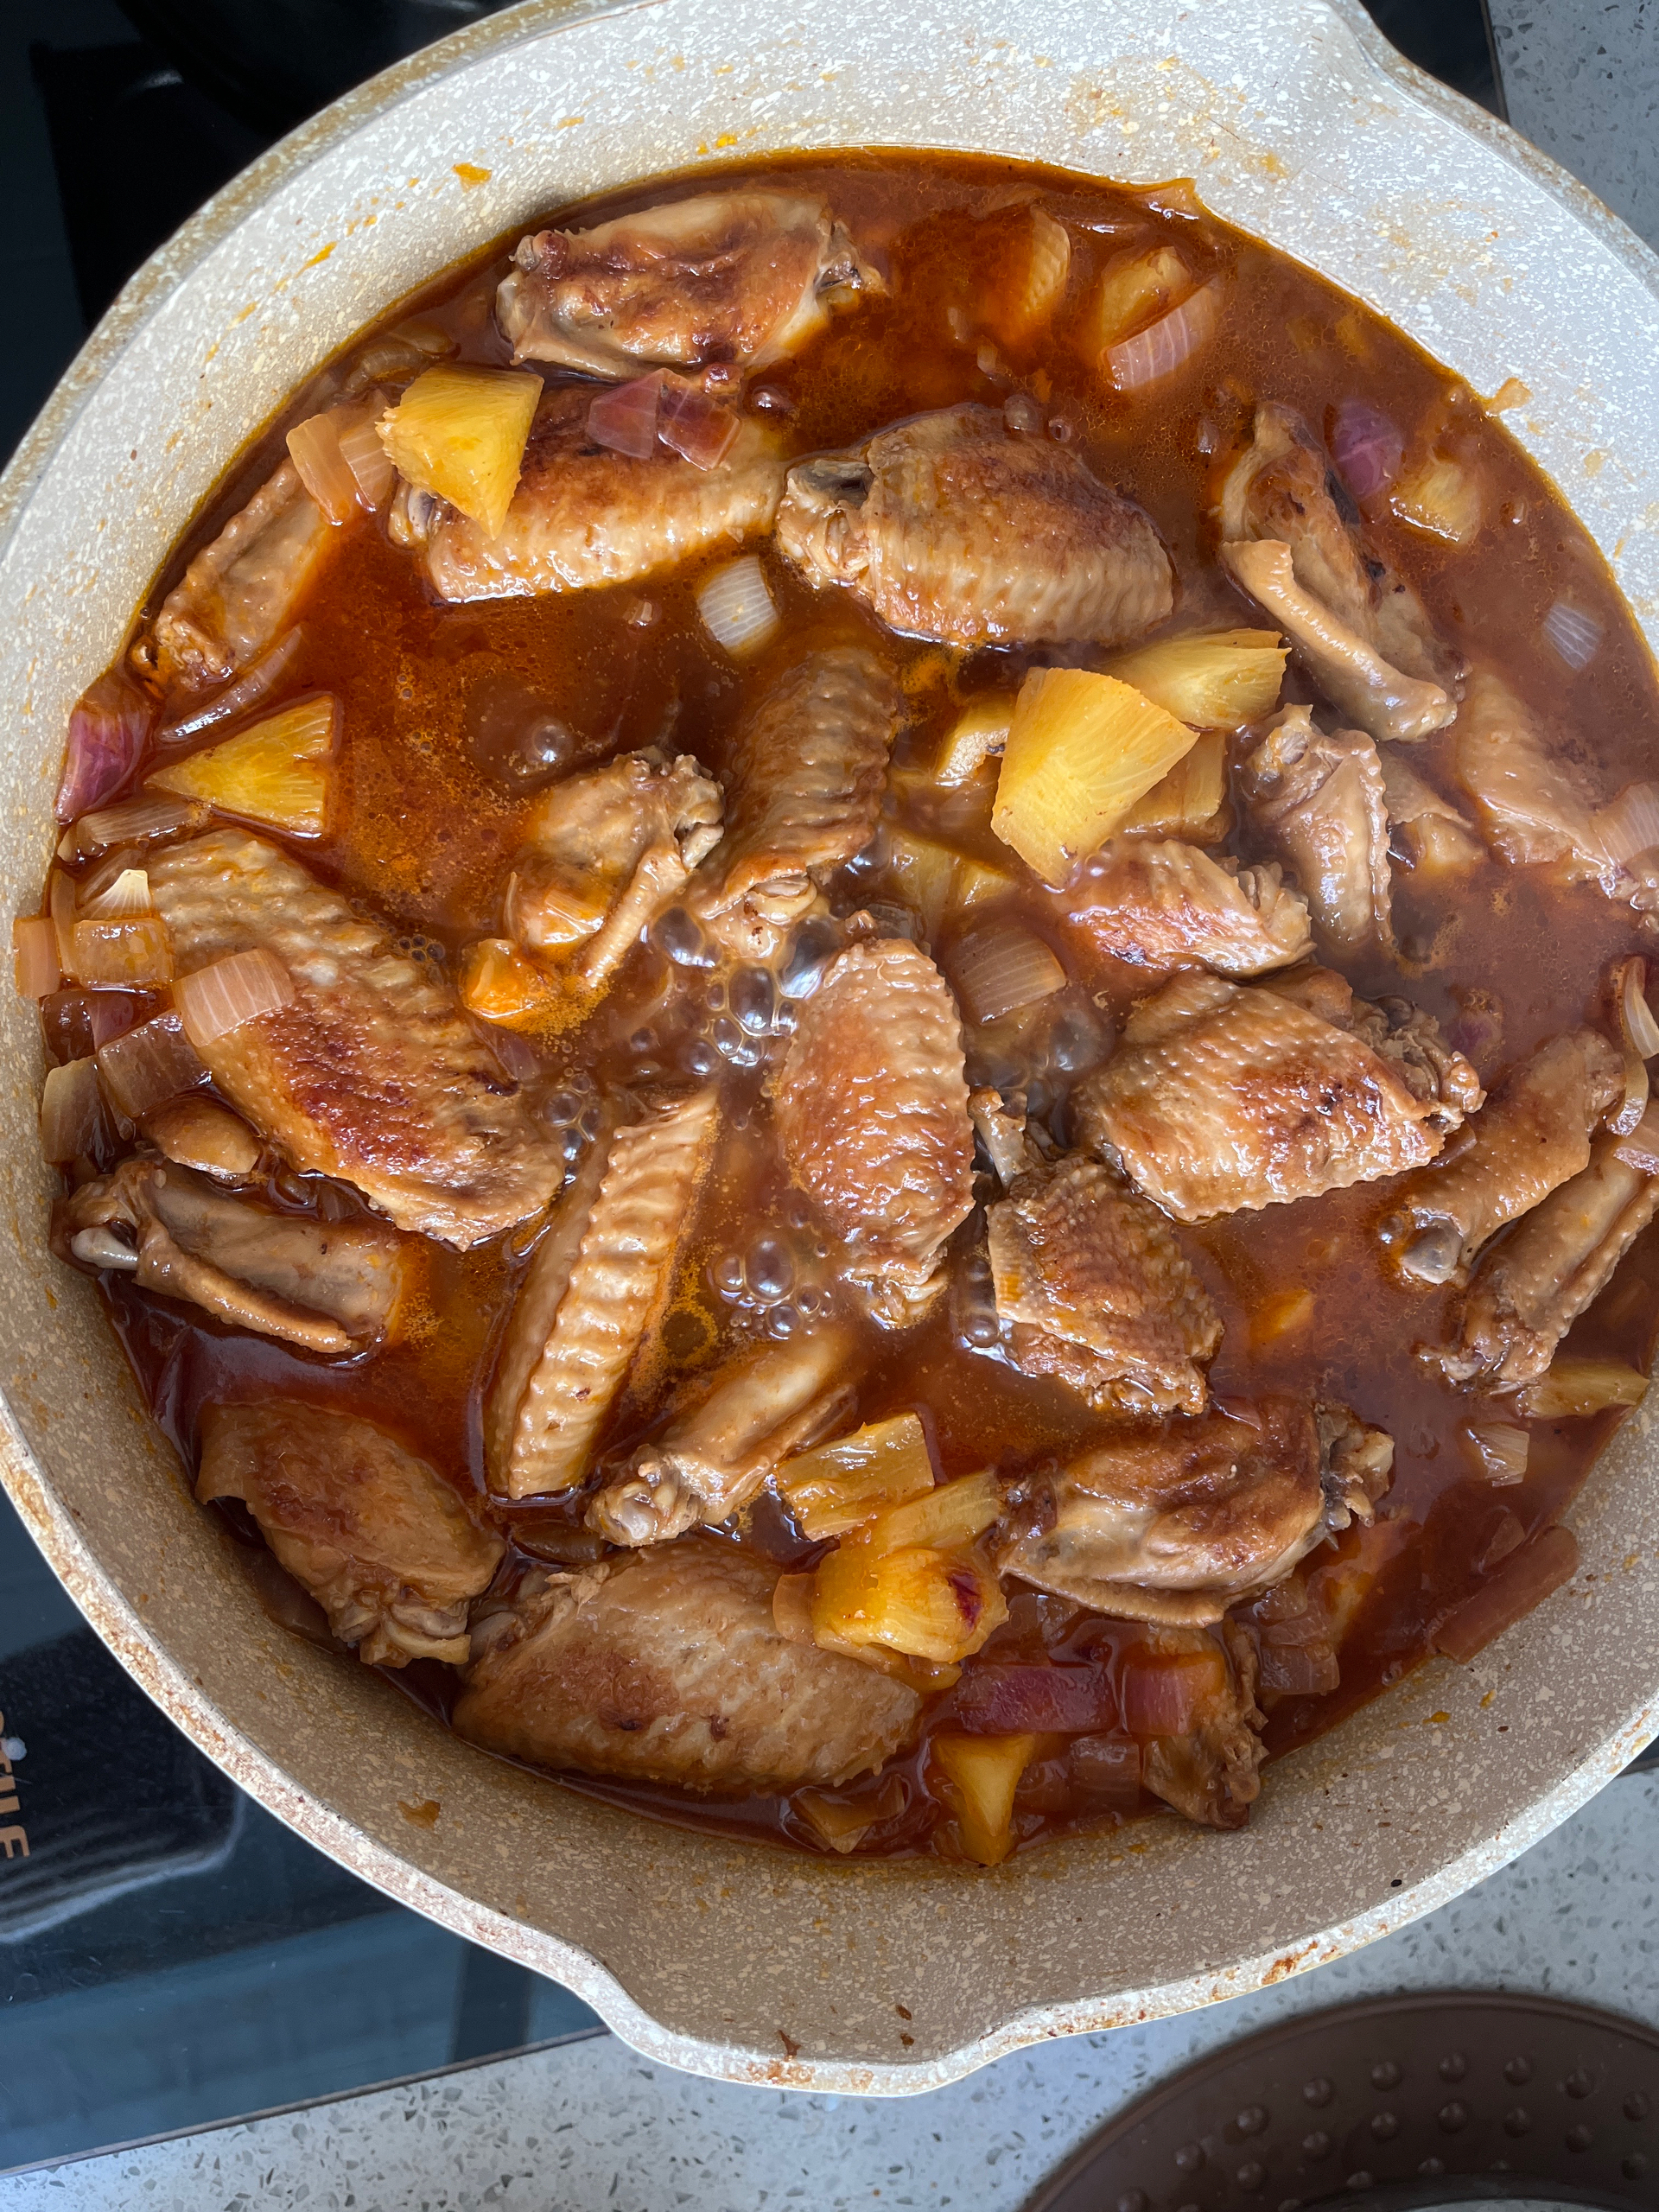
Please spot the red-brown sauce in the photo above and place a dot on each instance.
(420, 834)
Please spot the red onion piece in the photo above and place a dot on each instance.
(1164, 345)
(107, 730)
(1106, 1770)
(149, 1065)
(1366, 448)
(1162, 1697)
(623, 418)
(694, 426)
(1300, 1669)
(1525, 1579)
(71, 1112)
(994, 1701)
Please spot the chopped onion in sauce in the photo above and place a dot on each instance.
(72, 1109)
(1367, 448)
(1633, 1100)
(1571, 1389)
(125, 895)
(149, 1065)
(138, 821)
(364, 454)
(127, 954)
(1162, 1697)
(1629, 825)
(107, 730)
(694, 426)
(313, 448)
(623, 418)
(240, 988)
(1003, 967)
(35, 956)
(1165, 344)
(237, 698)
(1574, 635)
(737, 609)
(1635, 1014)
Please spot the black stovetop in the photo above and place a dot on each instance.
(169, 1954)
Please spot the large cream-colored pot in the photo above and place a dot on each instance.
(1300, 124)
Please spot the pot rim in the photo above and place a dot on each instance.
(145, 1656)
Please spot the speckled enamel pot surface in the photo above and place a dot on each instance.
(1298, 123)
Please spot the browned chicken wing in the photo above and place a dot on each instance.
(329, 1286)
(730, 1431)
(240, 591)
(1529, 1288)
(1530, 1137)
(377, 1537)
(1224, 1097)
(737, 276)
(951, 526)
(1179, 1523)
(596, 1281)
(808, 768)
(1157, 903)
(1426, 831)
(372, 1073)
(1090, 1283)
(871, 1109)
(583, 517)
(607, 853)
(1320, 801)
(1531, 804)
(666, 1666)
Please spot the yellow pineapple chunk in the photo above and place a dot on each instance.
(917, 1599)
(1284, 1314)
(1190, 801)
(839, 1486)
(1027, 276)
(1082, 749)
(276, 773)
(1133, 289)
(947, 1518)
(458, 432)
(983, 1772)
(980, 730)
(1214, 679)
(1440, 498)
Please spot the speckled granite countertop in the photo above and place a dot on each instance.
(586, 2126)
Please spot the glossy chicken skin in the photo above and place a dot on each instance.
(242, 591)
(739, 276)
(1320, 802)
(1532, 806)
(597, 1278)
(1090, 1283)
(728, 1432)
(871, 1111)
(372, 1073)
(1179, 1523)
(332, 1287)
(951, 526)
(1531, 1136)
(1159, 903)
(665, 1665)
(809, 764)
(583, 518)
(1223, 1097)
(375, 1535)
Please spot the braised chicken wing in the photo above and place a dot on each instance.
(375, 1535)
(741, 276)
(951, 526)
(1321, 802)
(1159, 903)
(666, 1665)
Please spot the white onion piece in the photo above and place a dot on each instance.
(148, 1066)
(247, 691)
(364, 454)
(127, 894)
(314, 448)
(1629, 825)
(135, 822)
(1574, 634)
(694, 426)
(1002, 969)
(35, 956)
(736, 607)
(1502, 1449)
(70, 1110)
(1635, 1014)
(231, 993)
(1164, 345)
